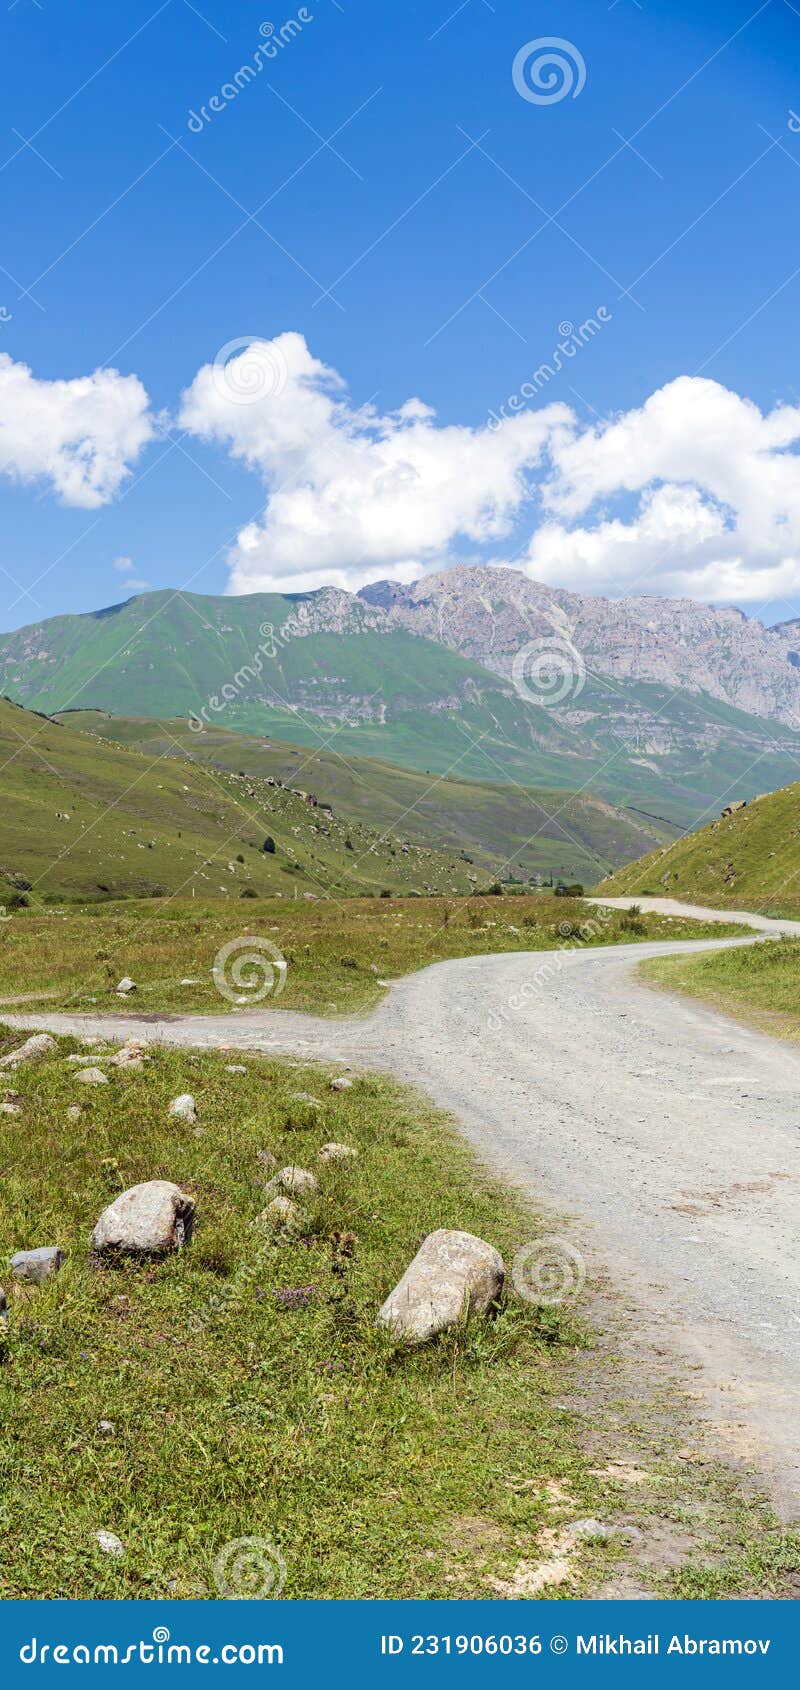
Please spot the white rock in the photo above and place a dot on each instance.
(191, 982)
(10, 1109)
(74, 1112)
(184, 1107)
(235, 1068)
(298, 1181)
(91, 1076)
(307, 1097)
(334, 1152)
(110, 1543)
(452, 1274)
(126, 985)
(152, 1218)
(341, 1083)
(35, 1049)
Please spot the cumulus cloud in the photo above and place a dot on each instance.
(710, 486)
(715, 486)
(81, 436)
(354, 492)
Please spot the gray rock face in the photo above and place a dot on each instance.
(152, 1218)
(453, 1274)
(37, 1265)
(35, 1049)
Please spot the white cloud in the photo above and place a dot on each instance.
(354, 492)
(711, 486)
(123, 564)
(81, 435)
(717, 490)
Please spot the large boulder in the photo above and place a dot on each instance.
(152, 1218)
(35, 1049)
(452, 1275)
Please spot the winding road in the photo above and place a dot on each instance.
(662, 1138)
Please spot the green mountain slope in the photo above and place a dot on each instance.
(749, 859)
(531, 831)
(83, 818)
(309, 667)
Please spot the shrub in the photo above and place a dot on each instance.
(269, 844)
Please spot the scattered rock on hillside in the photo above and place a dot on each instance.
(266, 1158)
(37, 1265)
(298, 1181)
(126, 985)
(281, 1211)
(307, 1097)
(91, 1076)
(453, 1273)
(74, 1112)
(110, 1543)
(152, 1218)
(341, 1083)
(334, 1152)
(184, 1107)
(106, 1428)
(35, 1049)
(235, 1068)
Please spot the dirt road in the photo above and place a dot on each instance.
(663, 1139)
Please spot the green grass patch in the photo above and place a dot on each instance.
(336, 954)
(759, 984)
(251, 1395)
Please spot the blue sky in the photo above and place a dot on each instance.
(458, 227)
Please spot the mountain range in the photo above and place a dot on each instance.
(664, 707)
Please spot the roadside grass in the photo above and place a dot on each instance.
(337, 954)
(251, 1395)
(758, 984)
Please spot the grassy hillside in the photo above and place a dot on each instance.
(305, 667)
(83, 818)
(530, 830)
(748, 860)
